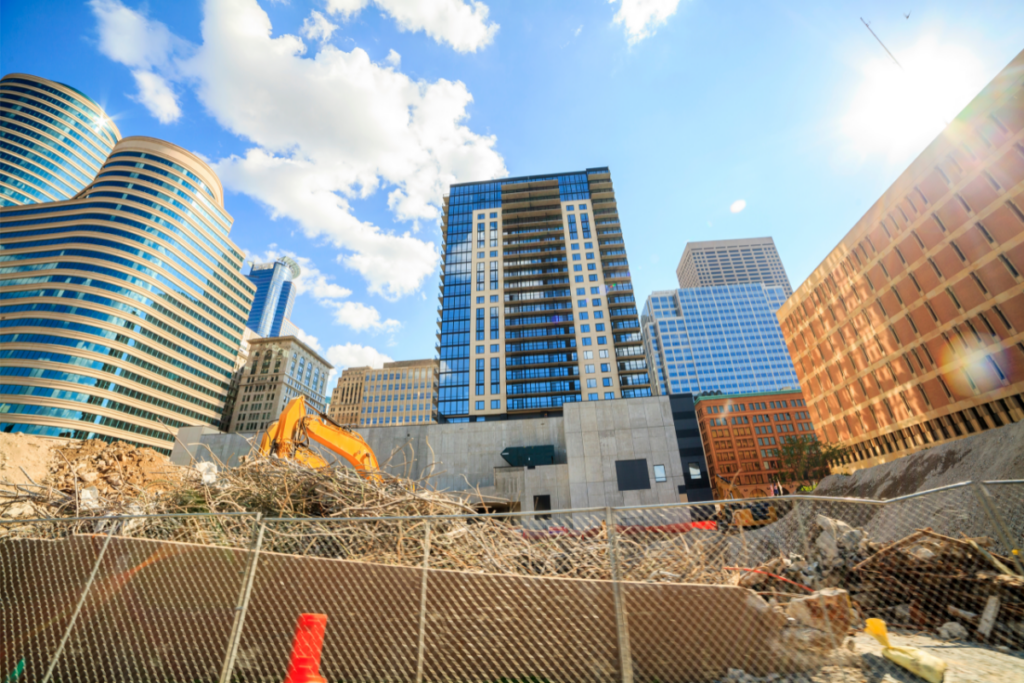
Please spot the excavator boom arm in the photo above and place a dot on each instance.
(284, 438)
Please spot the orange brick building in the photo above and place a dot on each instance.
(911, 331)
(742, 434)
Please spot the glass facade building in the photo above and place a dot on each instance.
(122, 310)
(53, 140)
(717, 339)
(537, 306)
(275, 296)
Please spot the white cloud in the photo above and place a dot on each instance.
(394, 59)
(156, 94)
(329, 129)
(578, 31)
(641, 18)
(332, 296)
(738, 205)
(353, 355)
(145, 46)
(317, 27)
(384, 129)
(463, 25)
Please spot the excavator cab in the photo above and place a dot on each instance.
(289, 438)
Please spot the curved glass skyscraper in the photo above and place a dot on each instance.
(121, 310)
(53, 140)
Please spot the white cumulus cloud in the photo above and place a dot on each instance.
(463, 25)
(325, 129)
(350, 355)
(317, 27)
(641, 18)
(147, 48)
(738, 205)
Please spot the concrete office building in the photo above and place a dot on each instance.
(275, 295)
(347, 398)
(717, 339)
(537, 306)
(53, 140)
(236, 379)
(911, 331)
(402, 392)
(605, 453)
(719, 263)
(742, 435)
(123, 309)
(278, 370)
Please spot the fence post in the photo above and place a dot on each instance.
(985, 498)
(621, 624)
(243, 604)
(81, 602)
(807, 558)
(421, 642)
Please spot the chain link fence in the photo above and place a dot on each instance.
(769, 589)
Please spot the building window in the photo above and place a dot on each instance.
(659, 473)
(632, 475)
(495, 405)
(480, 405)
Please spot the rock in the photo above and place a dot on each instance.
(89, 499)
(827, 610)
(902, 614)
(26, 510)
(836, 535)
(952, 630)
(88, 477)
(805, 638)
(208, 472)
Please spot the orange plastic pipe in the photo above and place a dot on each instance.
(304, 665)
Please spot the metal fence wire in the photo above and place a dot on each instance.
(766, 590)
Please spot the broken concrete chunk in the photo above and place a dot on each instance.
(952, 630)
(827, 610)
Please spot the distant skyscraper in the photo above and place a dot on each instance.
(537, 305)
(274, 295)
(54, 140)
(717, 338)
(721, 263)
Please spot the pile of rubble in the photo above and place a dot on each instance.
(955, 588)
(84, 477)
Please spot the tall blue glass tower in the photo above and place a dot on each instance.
(718, 338)
(275, 295)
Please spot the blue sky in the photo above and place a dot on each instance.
(336, 125)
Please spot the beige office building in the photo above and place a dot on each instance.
(720, 263)
(123, 307)
(402, 392)
(347, 397)
(279, 369)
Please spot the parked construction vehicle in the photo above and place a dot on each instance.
(735, 516)
(289, 438)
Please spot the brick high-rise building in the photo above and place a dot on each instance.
(537, 306)
(347, 397)
(911, 331)
(742, 435)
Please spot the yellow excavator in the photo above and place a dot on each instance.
(732, 516)
(289, 438)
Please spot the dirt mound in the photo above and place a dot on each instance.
(25, 459)
(110, 467)
(991, 455)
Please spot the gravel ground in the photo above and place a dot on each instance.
(966, 664)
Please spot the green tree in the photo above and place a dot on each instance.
(805, 459)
